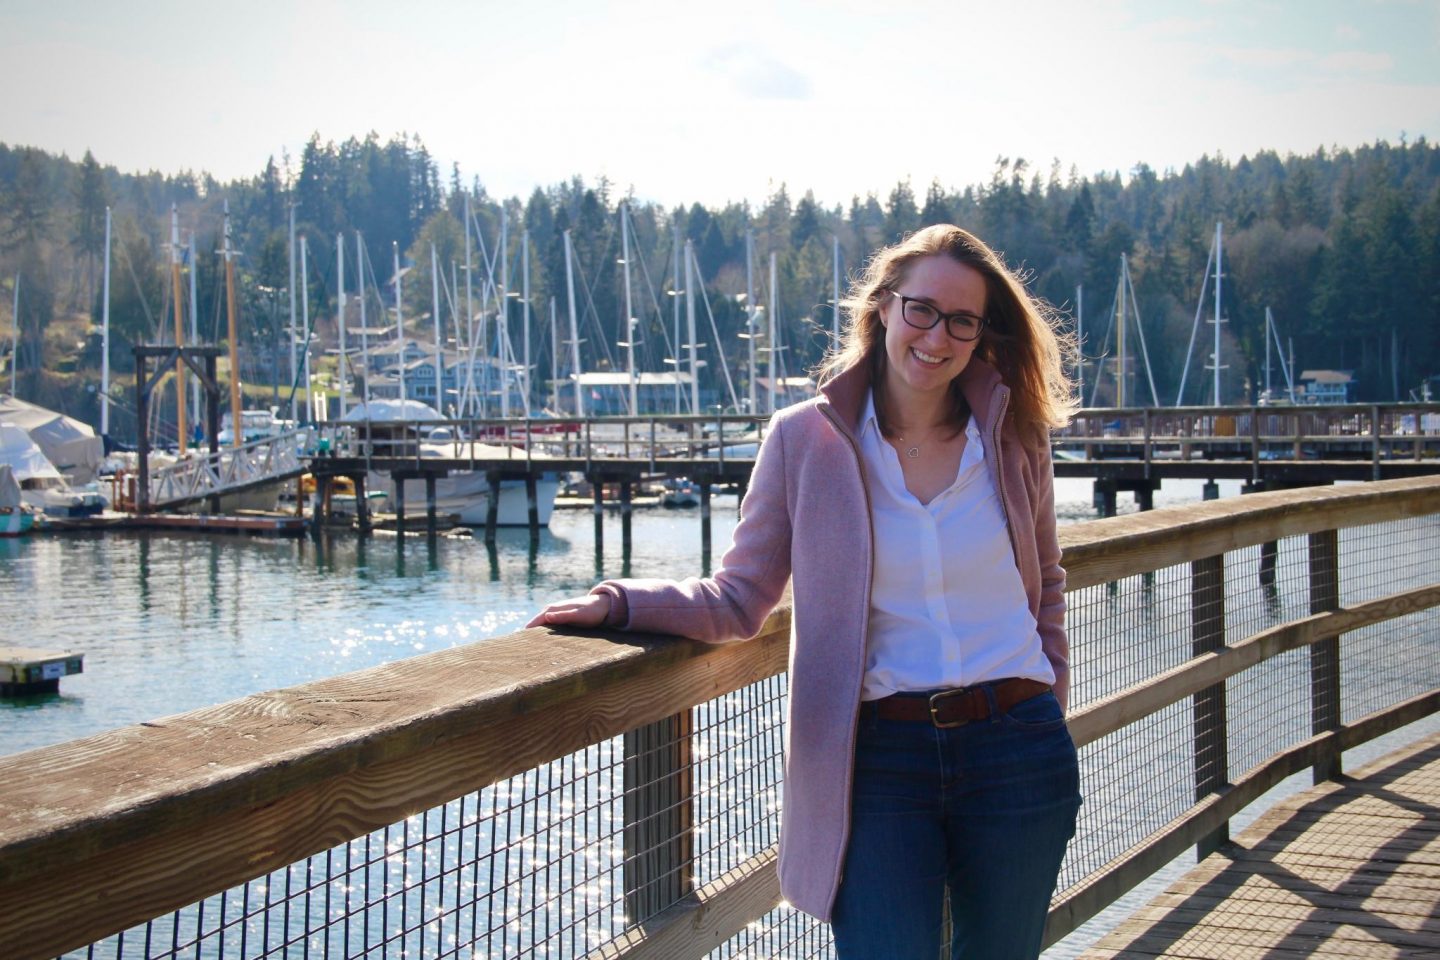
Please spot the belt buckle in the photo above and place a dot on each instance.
(935, 707)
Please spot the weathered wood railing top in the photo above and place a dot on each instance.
(104, 832)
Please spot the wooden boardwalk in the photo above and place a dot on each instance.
(1346, 869)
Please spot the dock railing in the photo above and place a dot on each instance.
(617, 795)
(1353, 431)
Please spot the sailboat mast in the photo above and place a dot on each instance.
(182, 425)
(629, 310)
(340, 314)
(399, 317)
(439, 333)
(525, 317)
(1080, 341)
(674, 295)
(104, 339)
(1218, 252)
(305, 322)
(194, 324)
(231, 323)
(1269, 328)
(690, 326)
(293, 367)
(469, 316)
(502, 317)
(835, 289)
(750, 315)
(364, 333)
(15, 335)
(1120, 359)
(554, 360)
(774, 343)
(574, 327)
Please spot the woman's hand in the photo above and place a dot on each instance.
(587, 611)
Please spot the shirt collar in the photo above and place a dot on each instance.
(870, 421)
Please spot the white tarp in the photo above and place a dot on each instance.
(390, 410)
(9, 488)
(69, 444)
(20, 453)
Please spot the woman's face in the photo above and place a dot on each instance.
(921, 363)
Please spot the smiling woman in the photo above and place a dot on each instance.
(911, 506)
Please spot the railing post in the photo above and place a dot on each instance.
(1325, 654)
(1374, 441)
(658, 807)
(1148, 430)
(1254, 444)
(1207, 631)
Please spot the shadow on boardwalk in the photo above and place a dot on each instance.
(1347, 869)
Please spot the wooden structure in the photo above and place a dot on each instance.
(1348, 869)
(112, 830)
(27, 670)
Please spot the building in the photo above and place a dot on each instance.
(1326, 386)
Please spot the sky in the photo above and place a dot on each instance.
(685, 102)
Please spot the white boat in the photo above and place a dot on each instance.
(42, 487)
(463, 494)
(70, 445)
(254, 425)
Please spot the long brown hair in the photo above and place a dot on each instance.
(1020, 339)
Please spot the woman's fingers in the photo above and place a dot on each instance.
(587, 611)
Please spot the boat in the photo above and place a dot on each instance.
(42, 487)
(15, 520)
(402, 425)
(680, 492)
(71, 447)
(254, 425)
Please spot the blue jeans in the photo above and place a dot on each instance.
(985, 810)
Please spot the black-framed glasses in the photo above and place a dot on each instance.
(963, 326)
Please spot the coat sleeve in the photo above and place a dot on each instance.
(733, 604)
(1050, 620)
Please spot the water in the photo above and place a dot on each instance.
(173, 622)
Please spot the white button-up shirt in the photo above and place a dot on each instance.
(947, 607)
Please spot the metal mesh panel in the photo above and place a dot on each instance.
(1387, 558)
(1123, 632)
(1133, 782)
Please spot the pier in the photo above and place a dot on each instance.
(617, 795)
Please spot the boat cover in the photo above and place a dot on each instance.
(9, 488)
(23, 456)
(71, 445)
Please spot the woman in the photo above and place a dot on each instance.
(912, 503)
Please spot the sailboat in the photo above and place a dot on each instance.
(464, 494)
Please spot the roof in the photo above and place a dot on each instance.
(1328, 376)
(608, 378)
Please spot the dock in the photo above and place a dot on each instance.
(1347, 869)
(30, 670)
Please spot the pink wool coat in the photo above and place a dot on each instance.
(807, 516)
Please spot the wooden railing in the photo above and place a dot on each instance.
(1354, 431)
(104, 833)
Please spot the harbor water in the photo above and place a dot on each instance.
(171, 622)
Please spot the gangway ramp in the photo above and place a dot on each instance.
(229, 470)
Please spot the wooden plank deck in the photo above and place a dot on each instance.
(1346, 869)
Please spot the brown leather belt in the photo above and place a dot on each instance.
(954, 708)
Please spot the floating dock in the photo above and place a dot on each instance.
(28, 670)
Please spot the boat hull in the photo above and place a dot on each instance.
(467, 496)
(15, 523)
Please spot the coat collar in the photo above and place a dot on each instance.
(846, 393)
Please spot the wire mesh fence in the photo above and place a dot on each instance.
(561, 860)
